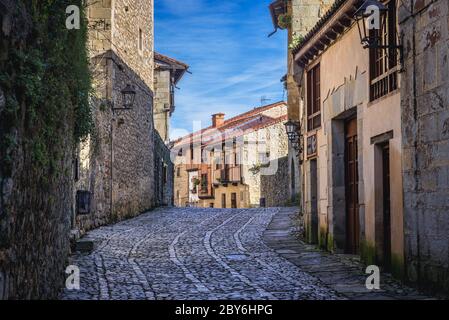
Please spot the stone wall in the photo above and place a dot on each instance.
(181, 184)
(425, 118)
(162, 102)
(119, 171)
(163, 173)
(261, 183)
(117, 162)
(274, 188)
(36, 178)
(305, 14)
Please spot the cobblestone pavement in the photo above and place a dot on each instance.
(198, 254)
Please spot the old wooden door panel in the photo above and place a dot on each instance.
(352, 186)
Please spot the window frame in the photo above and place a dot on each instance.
(383, 62)
(313, 99)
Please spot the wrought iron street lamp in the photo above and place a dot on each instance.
(371, 18)
(292, 130)
(128, 97)
(294, 136)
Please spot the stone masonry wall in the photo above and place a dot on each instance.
(35, 193)
(425, 118)
(305, 14)
(161, 102)
(163, 185)
(117, 162)
(274, 188)
(272, 182)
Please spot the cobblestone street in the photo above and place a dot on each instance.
(201, 254)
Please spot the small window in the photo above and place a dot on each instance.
(164, 174)
(178, 172)
(140, 40)
(76, 167)
(233, 200)
(313, 98)
(211, 205)
(204, 183)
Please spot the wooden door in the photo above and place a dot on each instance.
(233, 200)
(314, 200)
(352, 188)
(386, 207)
(223, 200)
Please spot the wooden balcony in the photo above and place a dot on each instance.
(230, 174)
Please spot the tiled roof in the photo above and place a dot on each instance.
(178, 67)
(256, 123)
(176, 63)
(248, 121)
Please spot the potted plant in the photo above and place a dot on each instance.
(284, 21)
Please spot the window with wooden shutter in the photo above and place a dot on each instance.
(313, 98)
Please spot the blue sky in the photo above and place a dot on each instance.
(233, 62)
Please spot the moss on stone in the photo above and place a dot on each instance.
(330, 243)
(322, 238)
(397, 266)
(367, 252)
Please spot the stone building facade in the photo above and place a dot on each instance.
(163, 173)
(115, 176)
(301, 17)
(234, 163)
(425, 140)
(375, 143)
(352, 162)
(168, 72)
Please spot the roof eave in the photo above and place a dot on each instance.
(322, 34)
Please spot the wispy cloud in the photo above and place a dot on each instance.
(225, 43)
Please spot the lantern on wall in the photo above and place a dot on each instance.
(128, 96)
(371, 19)
(293, 130)
(291, 127)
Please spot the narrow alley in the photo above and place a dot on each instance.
(203, 254)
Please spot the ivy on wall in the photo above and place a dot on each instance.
(45, 81)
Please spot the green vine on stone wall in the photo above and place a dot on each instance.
(46, 83)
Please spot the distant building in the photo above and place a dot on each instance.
(236, 163)
(167, 73)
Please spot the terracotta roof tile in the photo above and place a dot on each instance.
(171, 61)
(249, 121)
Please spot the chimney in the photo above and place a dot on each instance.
(217, 120)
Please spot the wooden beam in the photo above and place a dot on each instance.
(331, 34)
(320, 46)
(325, 31)
(337, 29)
